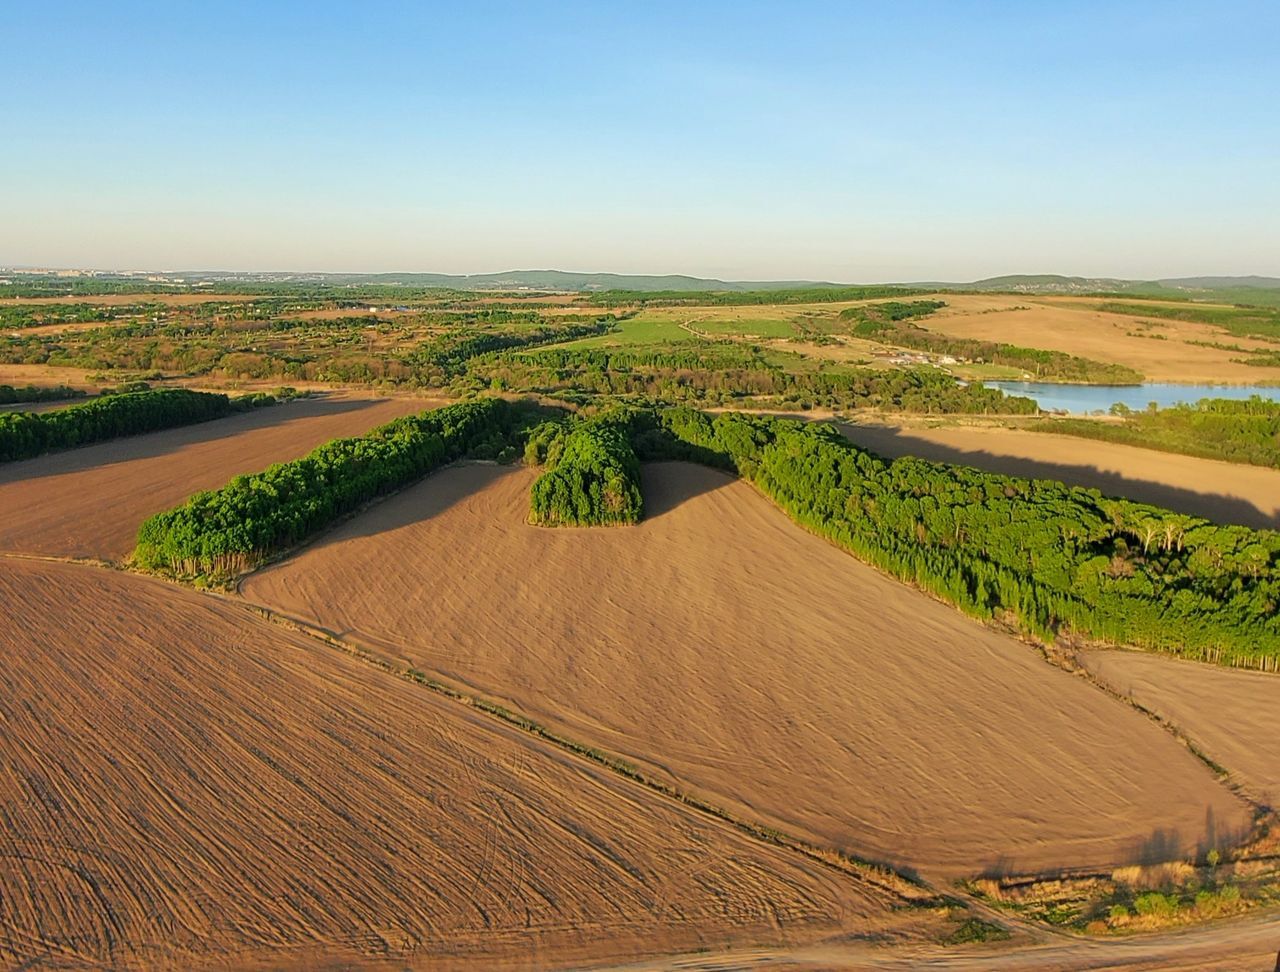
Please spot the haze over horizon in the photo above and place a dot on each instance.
(736, 141)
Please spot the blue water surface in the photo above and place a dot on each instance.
(1082, 399)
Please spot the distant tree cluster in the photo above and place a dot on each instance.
(1213, 428)
(24, 435)
(1055, 560)
(222, 531)
(9, 395)
(726, 372)
(595, 479)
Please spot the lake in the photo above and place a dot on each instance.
(1091, 398)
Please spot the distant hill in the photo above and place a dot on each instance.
(1233, 290)
(1227, 290)
(554, 280)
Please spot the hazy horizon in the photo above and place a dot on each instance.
(740, 142)
(306, 271)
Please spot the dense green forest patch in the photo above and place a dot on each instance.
(893, 323)
(1213, 428)
(223, 531)
(1053, 560)
(594, 480)
(24, 435)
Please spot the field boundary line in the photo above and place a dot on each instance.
(882, 876)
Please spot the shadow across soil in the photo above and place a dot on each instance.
(150, 445)
(893, 443)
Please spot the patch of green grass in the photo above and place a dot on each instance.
(635, 331)
(976, 930)
(767, 328)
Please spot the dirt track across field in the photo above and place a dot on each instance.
(1224, 492)
(88, 502)
(1233, 716)
(183, 784)
(722, 647)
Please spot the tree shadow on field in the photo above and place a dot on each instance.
(429, 497)
(666, 485)
(893, 443)
(152, 445)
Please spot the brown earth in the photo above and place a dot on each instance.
(1233, 716)
(88, 502)
(722, 647)
(1157, 348)
(182, 783)
(1220, 491)
(46, 375)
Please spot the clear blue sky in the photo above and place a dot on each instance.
(843, 140)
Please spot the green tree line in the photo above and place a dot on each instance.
(713, 373)
(9, 395)
(24, 435)
(1054, 560)
(222, 531)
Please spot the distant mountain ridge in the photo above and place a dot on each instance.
(1240, 289)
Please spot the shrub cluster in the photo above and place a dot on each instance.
(596, 480)
(1053, 559)
(234, 528)
(24, 435)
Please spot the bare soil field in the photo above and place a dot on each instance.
(185, 784)
(726, 650)
(1233, 716)
(1157, 348)
(45, 375)
(88, 502)
(1221, 491)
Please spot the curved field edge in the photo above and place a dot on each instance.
(1052, 560)
(175, 797)
(822, 686)
(88, 502)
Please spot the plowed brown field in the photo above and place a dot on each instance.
(184, 784)
(1233, 716)
(722, 646)
(88, 502)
